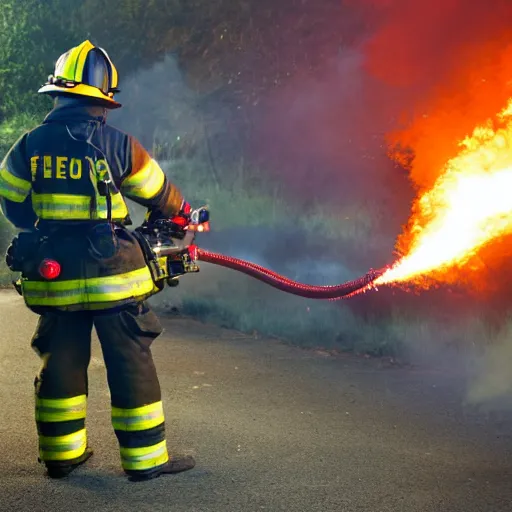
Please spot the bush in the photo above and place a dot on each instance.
(247, 198)
(250, 307)
(12, 129)
(324, 244)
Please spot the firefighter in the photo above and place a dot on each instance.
(66, 182)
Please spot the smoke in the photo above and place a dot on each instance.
(492, 380)
(324, 135)
(158, 106)
(421, 79)
(415, 82)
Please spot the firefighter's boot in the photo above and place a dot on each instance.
(56, 469)
(173, 466)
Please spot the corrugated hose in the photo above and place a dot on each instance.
(333, 292)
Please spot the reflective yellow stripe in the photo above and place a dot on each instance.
(61, 409)
(144, 458)
(81, 57)
(139, 418)
(13, 188)
(146, 183)
(99, 289)
(67, 67)
(72, 66)
(71, 207)
(114, 77)
(63, 447)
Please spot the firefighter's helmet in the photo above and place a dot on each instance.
(85, 70)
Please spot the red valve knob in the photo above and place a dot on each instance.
(49, 269)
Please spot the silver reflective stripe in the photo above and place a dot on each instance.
(51, 410)
(62, 447)
(129, 420)
(88, 289)
(61, 207)
(8, 187)
(149, 456)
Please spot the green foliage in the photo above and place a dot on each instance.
(7, 233)
(250, 308)
(236, 204)
(248, 198)
(12, 129)
(31, 39)
(219, 43)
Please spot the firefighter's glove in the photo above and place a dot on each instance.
(182, 219)
(175, 225)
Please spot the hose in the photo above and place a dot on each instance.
(282, 283)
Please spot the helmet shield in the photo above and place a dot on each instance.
(96, 72)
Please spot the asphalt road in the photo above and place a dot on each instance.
(272, 428)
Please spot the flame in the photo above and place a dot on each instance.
(469, 205)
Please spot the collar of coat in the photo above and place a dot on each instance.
(77, 113)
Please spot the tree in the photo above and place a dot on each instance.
(32, 35)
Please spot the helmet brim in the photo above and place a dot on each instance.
(82, 90)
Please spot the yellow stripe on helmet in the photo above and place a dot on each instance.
(71, 65)
(114, 77)
(85, 48)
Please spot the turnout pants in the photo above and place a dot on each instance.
(63, 341)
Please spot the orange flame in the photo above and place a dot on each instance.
(469, 205)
